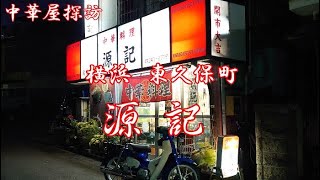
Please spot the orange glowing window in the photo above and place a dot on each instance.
(73, 62)
(188, 28)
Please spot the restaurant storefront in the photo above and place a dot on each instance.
(186, 35)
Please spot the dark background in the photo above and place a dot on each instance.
(34, 66)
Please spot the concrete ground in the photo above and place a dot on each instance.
(26, 155)
(41, 162)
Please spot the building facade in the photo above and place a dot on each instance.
(265, 107)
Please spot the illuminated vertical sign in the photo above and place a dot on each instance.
(219, 27)
(228, 36)
(227, 155)
(156, 38)
(188, 28)
(91, 26)
(129, 45)
(107, 48)
(88, 54)
(73, 62)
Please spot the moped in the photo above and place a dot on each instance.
(132, 162)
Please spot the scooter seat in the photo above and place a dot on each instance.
(140, 148)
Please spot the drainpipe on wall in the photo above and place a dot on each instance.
(316, 46)
(223, 106)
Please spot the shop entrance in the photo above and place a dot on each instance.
(151, 114)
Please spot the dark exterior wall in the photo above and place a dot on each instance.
(276, 141)
(284, 69)
(305, 56)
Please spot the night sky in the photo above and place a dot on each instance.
(55, 34)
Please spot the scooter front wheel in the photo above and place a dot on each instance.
(188, 172)
(112, 164)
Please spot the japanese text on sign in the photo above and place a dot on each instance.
(217, 21)
(71, 12)
(129, 45)
(203, 73)
(107, 48)
(124, 122)
(141, 89)
(154, 88)
(180, 125)
(117, 74)
(127, 117)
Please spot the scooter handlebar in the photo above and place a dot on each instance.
(162, 130)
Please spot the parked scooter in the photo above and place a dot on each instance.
(132, 161)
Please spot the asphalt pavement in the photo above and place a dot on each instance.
(28, 160)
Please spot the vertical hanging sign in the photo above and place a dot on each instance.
(219, 27)
(129, 45)
(228, 32)
(107, 48)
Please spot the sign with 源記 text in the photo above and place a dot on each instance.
(129, 45)
(107, 48)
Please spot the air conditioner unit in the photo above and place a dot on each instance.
(304, 7)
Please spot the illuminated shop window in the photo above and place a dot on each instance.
(188, 95)
(146, 122)
(198, 94)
